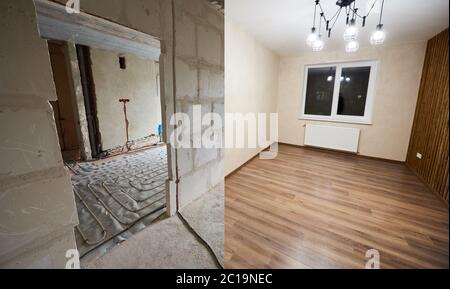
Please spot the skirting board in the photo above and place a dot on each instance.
(244, 164)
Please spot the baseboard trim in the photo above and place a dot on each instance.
(343, 152)
(244, 164)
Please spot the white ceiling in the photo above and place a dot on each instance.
(283, 25)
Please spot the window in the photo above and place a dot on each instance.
(340, 92)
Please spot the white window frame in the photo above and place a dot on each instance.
(334, 117)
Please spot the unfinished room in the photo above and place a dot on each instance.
(356, 173)
(88, 176)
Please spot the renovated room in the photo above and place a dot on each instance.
(359, 177)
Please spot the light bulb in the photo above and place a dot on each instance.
(330, 78)
(318, 44)
(347, 79)
(351, 32)
(352, 46)
(312, 37)
(378, 36)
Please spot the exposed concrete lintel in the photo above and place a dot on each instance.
(82, 28)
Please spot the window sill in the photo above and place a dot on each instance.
(358, 122)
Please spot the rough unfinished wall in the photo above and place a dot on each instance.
(37, 207)
(37, 210)
(137, 82)
(141, 15)
(199, 79)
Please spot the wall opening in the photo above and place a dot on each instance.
(63, 107)
(120, 188)
(122, 62)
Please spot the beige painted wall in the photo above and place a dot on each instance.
(251, 83)
(398, 79)
(138, 83)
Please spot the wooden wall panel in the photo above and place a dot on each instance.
(430, 130)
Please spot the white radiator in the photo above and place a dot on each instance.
(332, 137)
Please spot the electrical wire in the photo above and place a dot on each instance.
(335, 20)
(315, 12)
(381, 12)
(203, 241)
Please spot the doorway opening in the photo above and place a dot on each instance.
(109, 118)
(63, 107)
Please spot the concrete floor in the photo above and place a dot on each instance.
(173, 243)
(206, 217)
(167, 244)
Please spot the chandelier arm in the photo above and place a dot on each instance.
(371, 8)
(358, 15)
(335, 20)
(320, 24)
(381, 13)
(335, 14)
(368, 13)
(347, 11)
(322, 12)
(315, 12)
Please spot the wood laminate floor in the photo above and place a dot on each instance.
(317, 209)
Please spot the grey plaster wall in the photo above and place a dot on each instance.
(37, 207)
(137, 82)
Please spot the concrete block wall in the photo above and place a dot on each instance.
(37, 206)
(199, 80)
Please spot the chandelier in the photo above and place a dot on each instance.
(315, 41)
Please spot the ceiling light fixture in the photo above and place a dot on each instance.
(378, 36)
(318, 45)
(352, 46)
(314, 39)
(351, 32)
(311, 37)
